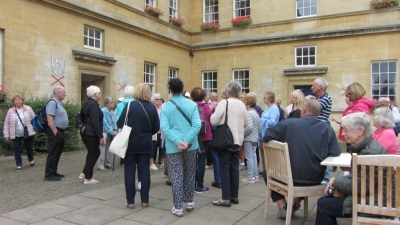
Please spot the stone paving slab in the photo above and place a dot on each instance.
(153, 216)
(76, 201)
(125, 222)
(4, 220)
(53, 221)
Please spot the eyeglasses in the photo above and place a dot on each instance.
(157, 99)
(241, 97)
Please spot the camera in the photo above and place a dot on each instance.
(329, 192)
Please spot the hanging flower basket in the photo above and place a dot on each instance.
(177, 21)
(241, 21)
(153, 11)
(214, 26)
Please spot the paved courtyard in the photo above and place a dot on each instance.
(26, 199)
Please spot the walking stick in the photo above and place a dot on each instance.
(113, 162)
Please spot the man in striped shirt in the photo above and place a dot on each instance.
(319, 89)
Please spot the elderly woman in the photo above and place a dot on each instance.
(157, 101)
(181, 145)
(385, 102)
(18, 121)
(384, 135)
(197, 96)
(229, 159)
(144, 120)
(297, 99)
(92, 132)
(109, 132)
(270, 116)
(357, 131)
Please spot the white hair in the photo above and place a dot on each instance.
(384, 99)
(384, 117)
(322, 82)
(357, 120)
(155, 96)
(128, 91)
(92, 90)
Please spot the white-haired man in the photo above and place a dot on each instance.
(385, 102)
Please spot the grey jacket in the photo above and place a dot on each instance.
(344, 184)
(251, 131)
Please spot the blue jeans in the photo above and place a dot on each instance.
(251, 157)
(326, 176)
(201, 164)
(217, 175)
(142, 162)
(17, 144)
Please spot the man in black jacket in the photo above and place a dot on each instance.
(310, 141)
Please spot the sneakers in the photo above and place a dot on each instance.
(153, 167)
(103, 169)
(19, 168)
(162, 166)
(91, 181)
(249, 180)
(139, 185)
(282, 212)
(177, 212)
(190, 206)
(200, 190)
(256, 178)
(324, 182)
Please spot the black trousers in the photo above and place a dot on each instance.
(92, 145)
(328, 209)
(229, 170)
(56, 146)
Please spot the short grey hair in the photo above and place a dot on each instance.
(57, 89)
(108, 99)
(92, 90)
(355, 121)
(322, 82)
(128, 91)
(233, 89)
(384, 99)
(384, 117)
(155, 96)
(309, 97)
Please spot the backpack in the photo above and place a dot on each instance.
(78, 120)
(39, 122)
(203, 119)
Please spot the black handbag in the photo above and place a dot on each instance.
(222, 137)
(26, 133)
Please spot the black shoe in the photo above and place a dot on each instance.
(334, 168)
(217, 185)
(168, 183)
(234, 201)
(201, 190)
(52, 178)
(221, 203)
(59, 175)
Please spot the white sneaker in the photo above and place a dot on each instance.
(153, 167)
(256, 178)
(162, 166)
(139, 185)
(249, 180)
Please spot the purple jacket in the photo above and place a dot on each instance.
(207, 112)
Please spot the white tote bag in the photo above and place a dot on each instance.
(120, 142)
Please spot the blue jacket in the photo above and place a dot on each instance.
(269, 118)
(109, 121)
(176, 128)
(122, 105)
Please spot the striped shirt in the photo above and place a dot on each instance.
(326, 106)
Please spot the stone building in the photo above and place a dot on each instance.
(113, 43)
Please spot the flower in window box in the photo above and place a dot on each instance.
(241, 21)
(377, 4)
(177, 21)
(153, 11)
(214, 26)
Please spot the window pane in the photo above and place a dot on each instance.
(91, 32)
(305, 51)
(298, 52)
(91, 42)
(307, 3)
(312, 50)
(85, 41)
(305, 61)
(312, 60)
(383, 78)
(298, 61)
(392, 67)
(300, 4)
(97, 44)
(375, 78)
(314, 10)
(392, 78)
(384, 67)
(375, 67)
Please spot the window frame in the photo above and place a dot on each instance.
(87, 37)
(214, 15)
(311, 15)
(147, 75)
(242, 81)
(206, 82)
(302, 47)
(173, 9)
(239, 9)
(173, 74)
(151, 3)
(388, 83)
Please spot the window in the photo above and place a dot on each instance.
(384, 79)
(242, 76)
(306, 56)
(241, 8)
(306, 8)
(149, 75)
(151, 3)
(173, 8)
(210, 82)
(210, 11)
(172, 73)
(92, 38)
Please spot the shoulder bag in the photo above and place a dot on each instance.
(26, 133)
(222, 137)
(120, 142)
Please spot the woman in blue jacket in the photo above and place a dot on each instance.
(181, 144)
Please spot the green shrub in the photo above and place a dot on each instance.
(72, 137)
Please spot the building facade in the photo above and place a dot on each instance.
(114, 43)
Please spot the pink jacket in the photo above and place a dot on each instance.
(361, 105)
(9, 122)
(207, 112)
(387, 139)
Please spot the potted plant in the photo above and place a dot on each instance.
(214, 26)
(177, 21)
(241, 21)
(153, 11)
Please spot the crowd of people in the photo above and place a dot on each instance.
(181, 129)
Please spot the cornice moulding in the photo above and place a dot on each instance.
(93, 57)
